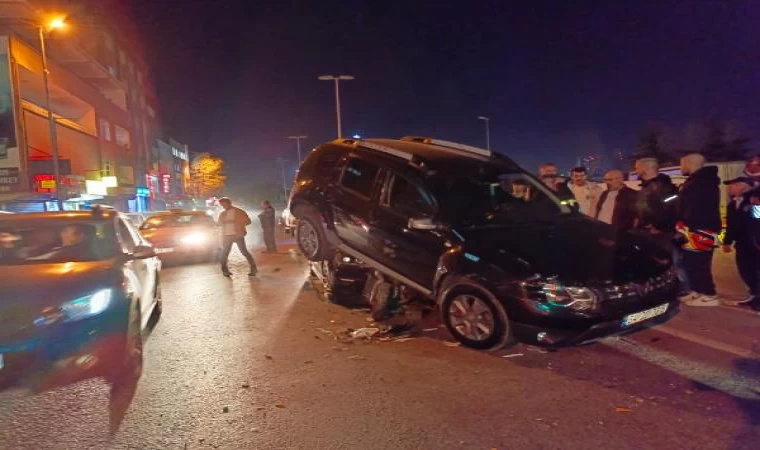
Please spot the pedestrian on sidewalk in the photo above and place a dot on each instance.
(233, 222)
(617, 204)
(267, 219)
(699, 224)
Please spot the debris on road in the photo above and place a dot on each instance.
(245, 386)
(226, 409)
(621, 409)
(428, 330)
(513, 355)
(537, 349)
(308, 362)
(451, 344)
(269, 357)
(279, 405)
(364, 333)
(404, 339)
(356, 357)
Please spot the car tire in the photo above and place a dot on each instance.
(474, 316)
(311, 239)
(129, 359)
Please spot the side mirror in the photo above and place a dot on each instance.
(142, 252)
(424, 223)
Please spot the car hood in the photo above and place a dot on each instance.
(37, 286)
(574, 249)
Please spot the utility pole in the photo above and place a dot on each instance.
(55, 24)
(282, 162)
(337, 79)
(298, 145)
(488, 131)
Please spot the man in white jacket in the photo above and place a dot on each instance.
(586, 194)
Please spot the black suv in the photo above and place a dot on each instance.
(502, 256)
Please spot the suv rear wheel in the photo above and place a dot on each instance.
(310, 237)
(476, 318)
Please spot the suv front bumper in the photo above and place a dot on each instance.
(558, 337)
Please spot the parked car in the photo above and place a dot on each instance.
(447, 221)
(287, 221)
(79, 289)
(180, 235)
(342, 278)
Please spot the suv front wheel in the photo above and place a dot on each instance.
(310, 236)
(475, 317)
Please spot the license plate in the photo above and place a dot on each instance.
(2, 361)
(644, 315)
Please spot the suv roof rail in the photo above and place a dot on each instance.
(355, 143)
(449, 145)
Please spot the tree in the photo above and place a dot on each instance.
(650, 146)
(719, 146)
(206, 175)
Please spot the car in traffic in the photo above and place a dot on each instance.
(78, 290)
(504, 259)
(181, 235)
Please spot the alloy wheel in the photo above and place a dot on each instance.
(472, 318)
(308, 238)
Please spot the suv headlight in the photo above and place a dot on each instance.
(555, 293)
(87, 306)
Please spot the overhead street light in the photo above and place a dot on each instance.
(488, 131)
(337, 79)
(298, 145)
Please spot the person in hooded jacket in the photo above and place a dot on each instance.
(698, 227)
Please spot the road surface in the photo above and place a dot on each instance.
(254, 364)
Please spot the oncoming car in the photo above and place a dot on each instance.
(182, 235)
(78, 289)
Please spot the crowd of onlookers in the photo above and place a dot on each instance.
(684, 219)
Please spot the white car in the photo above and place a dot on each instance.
(288, 221)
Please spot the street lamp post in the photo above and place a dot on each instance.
(488, 131)
(52, 25)
(337, 79)
(298, 145)
(282, 162)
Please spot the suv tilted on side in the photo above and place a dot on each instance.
(504, 259)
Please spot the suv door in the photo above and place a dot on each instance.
(142, 272)
(412, 253)
(351, 201)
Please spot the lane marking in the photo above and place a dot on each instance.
(707, 342)
(726, 381)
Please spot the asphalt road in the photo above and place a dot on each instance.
(254, 364)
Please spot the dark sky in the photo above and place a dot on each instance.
(559, 79)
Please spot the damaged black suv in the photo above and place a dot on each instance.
(501, 255)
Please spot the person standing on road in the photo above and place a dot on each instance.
(616, 204)
(739, 222)
(699, 224)
(233, 221)
(267, 219)
(585, 193)
(549, 175)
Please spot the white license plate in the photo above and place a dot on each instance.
(641, 316)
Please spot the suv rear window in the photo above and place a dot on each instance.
(359, 176)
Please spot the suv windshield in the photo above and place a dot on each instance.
(55, 242)
(177, 220)
(496, 198)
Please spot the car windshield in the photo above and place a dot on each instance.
(52, 242)
(178, 220)
(496, 198)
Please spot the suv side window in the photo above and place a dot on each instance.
(406, 199)
(359, 176)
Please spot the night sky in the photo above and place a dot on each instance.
(559, 79)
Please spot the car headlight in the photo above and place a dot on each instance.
(194, 238)
(87, 306)
(555, 293)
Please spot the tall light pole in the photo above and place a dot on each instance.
(337, 79)
(298, 145)
(282, 162)
(55, 24)
(488, 131)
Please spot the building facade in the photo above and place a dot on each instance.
(104, 110)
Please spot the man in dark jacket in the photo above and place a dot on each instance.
(699, 224)
(549, 175)
(655, 202)
(739, 222)
(616, 204)
(267, 218)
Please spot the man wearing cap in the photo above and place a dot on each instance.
(740, 236)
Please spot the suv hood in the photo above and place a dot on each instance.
(575, 249)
